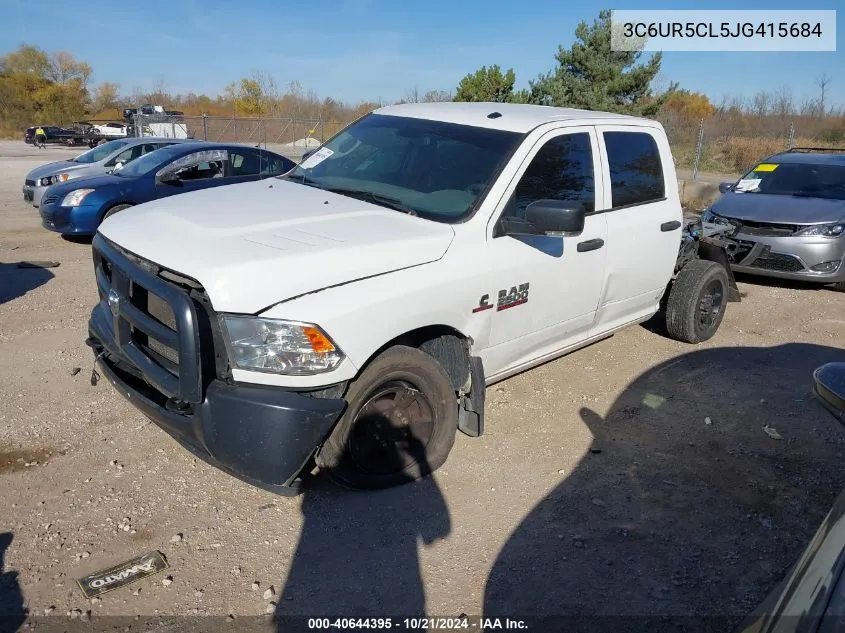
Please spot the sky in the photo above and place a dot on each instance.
(355, 50)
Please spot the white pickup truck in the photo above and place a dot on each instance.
(351, 313)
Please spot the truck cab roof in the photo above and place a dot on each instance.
(513, 117)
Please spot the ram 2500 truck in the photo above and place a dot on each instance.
(350, 313)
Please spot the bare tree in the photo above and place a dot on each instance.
(434, 96)
(412, 96)
(782, 102)
(809, 107)
(822, 82)
(761, 103)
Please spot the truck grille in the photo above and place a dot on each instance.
(779, 262)
(767, 229)
(154, 323)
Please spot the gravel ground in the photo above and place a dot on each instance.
(631, 478)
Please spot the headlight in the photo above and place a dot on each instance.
(708, 217)
(280, 347)
(52, 180)
(824, 230)
(75, 197)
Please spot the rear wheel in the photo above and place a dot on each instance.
(399, 425)
(697, 301)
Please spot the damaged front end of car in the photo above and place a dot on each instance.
(709, 243)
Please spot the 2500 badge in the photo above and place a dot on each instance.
(507, 298)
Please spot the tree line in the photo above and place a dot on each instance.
(37, 87)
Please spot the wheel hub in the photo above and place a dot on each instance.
(710, 304)
(391, 429)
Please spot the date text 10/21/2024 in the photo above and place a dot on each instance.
(415, 624)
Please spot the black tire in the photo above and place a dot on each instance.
(372, 448)
(697, 301)
(116, 209)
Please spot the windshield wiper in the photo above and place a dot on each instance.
(384, 201)
(301, 178)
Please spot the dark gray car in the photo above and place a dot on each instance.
(787, 217)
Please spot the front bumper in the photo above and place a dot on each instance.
(81, 220)
(797, 258)
(261, 435)
(33, 194)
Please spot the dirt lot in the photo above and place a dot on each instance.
(630, 478)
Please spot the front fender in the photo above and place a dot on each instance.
(361, 317)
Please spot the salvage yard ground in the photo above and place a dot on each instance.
(633, 477)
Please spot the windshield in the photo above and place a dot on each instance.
(100, 152)
(428, 168)
(795, 179)
(148, 162)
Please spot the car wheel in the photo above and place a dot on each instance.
(697, 301)
(116, 209)
(399, 424)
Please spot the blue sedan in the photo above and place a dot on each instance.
(79, 206)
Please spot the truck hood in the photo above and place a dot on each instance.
(256, 244)
(762, 207)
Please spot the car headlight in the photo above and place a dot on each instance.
(52, 180)
(280, 347)
(75, 197)
(708, 217)
(824, 230)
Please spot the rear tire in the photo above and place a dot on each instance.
(399, 425)
(697, 301)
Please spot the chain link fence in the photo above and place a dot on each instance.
(730, 145)
(727, 143)
(288, 135)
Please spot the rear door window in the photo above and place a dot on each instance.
(636, 171)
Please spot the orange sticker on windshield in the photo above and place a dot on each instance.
(766, 167)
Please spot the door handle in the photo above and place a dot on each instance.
(670, 226)
(590, 245)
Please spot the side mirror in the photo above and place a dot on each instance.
(829, 388)
(725, 187)
(556, 216)
(168, 177)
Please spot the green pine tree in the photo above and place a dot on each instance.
(487, 84)
(592, 76)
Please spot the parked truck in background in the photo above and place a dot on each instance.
(351, 313)
(154, 120)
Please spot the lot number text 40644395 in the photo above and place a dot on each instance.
(416, 624)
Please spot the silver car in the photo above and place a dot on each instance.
(787, 217)
(95, 162)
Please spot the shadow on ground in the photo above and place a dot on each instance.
(16, 281)
(78, 239)
(357, 554)
(694, 512)
(12, 613)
